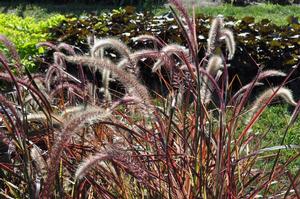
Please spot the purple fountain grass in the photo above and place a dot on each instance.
(227, 35)
(48, 45)
(66, 47)
(44, 100)
(117, 155)
(282, 92)
(136, 56)
(58, 68)
(127, 79)
(40, 163)
(116, 44)
(213, 66)
(12, 49)
(190, 149)
(256, 82)
(6, 103)
(69, 87)
(191, 28)
(149, 37)
(218, 33)
(168, 50)
(214, 34)
(91, 114)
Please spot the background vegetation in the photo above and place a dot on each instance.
(26, 33)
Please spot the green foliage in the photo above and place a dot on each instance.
(26, 32)
(278, 46)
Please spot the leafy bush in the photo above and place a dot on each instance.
(278, 46)
(25, 33)
(70, 138)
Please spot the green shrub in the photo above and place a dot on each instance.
(25, 33)
(278, 46)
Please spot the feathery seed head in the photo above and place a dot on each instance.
(270, 73)
(91, 40)
(127, 79)
(67, 48)
(39, 161)
(88, 163)
(147, 37)
(59, 59)
(138, 55)
(110, 43)
(214, 34)
(214, 64)
(284, 93)
(169, 50)
(230, 42)
(174, 49)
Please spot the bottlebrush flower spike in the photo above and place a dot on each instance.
(88, 164)
(128, 80)
(118, 155)
(270, 73)
(169, 50)
(214, 34)
(284, 93)
(110, 43)
(214, 65)
(40, 163)
(154, 39)
(97, 50)
(91, 115)
(217, 34)
(230, 42)
(136, 56)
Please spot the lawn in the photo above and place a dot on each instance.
(271, 127)
(276, 13)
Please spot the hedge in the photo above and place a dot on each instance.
(25, 33)
(272, 46)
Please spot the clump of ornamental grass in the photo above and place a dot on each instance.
(67, 137)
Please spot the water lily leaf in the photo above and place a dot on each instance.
(105, 29)
(265, 21)
(292, 20)
(248, 19)
(275, 43)
(130, 10)
(268, 44)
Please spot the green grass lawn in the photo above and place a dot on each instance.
(276, 13)
(272, 124)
